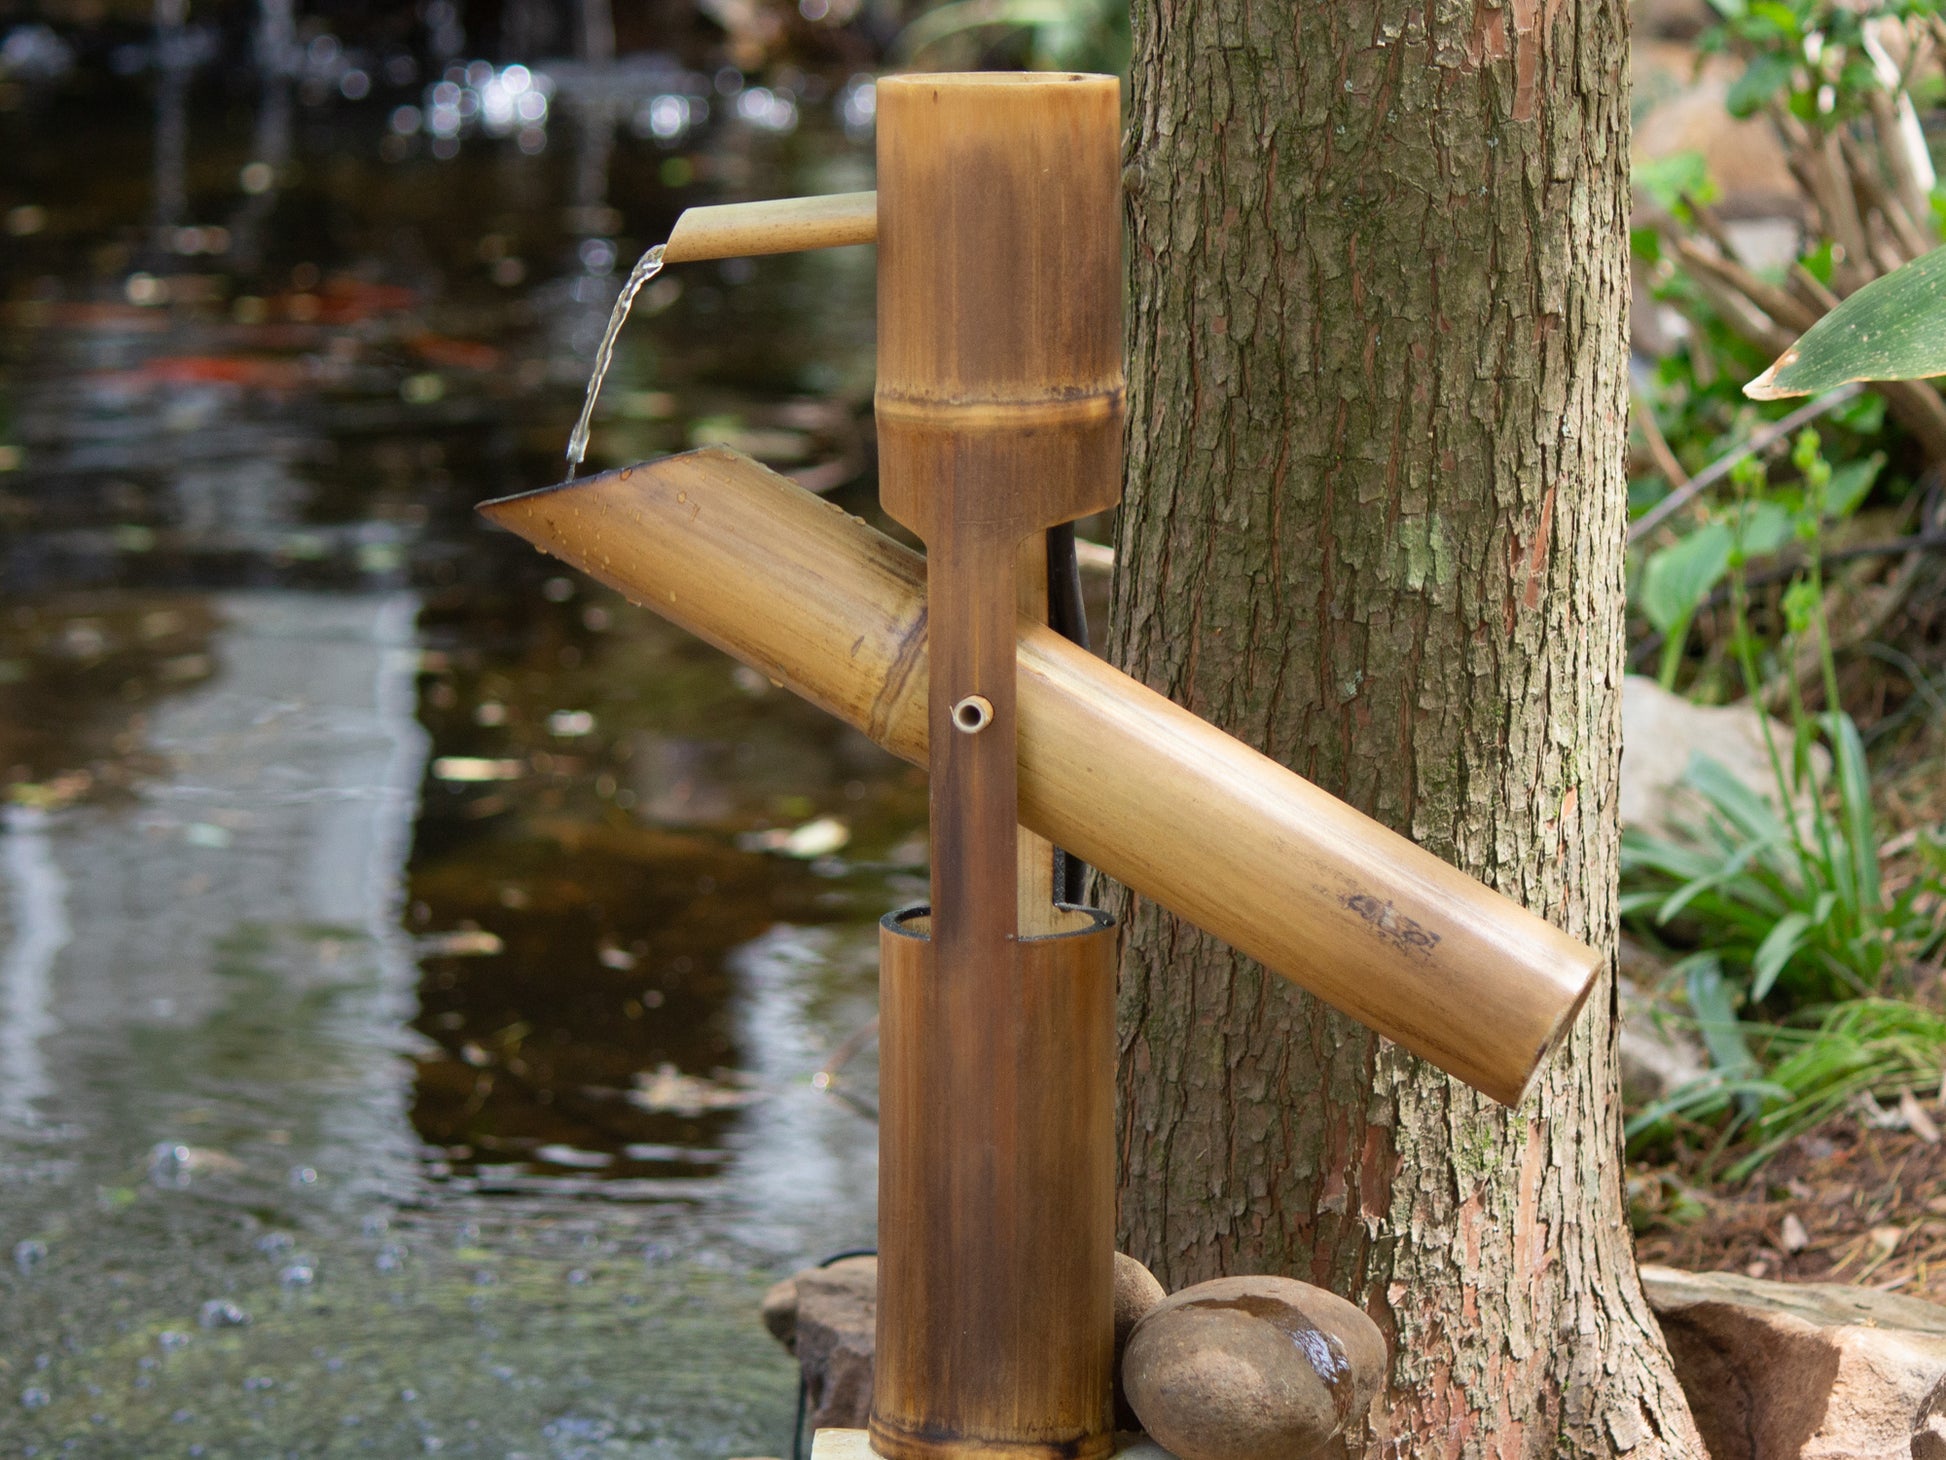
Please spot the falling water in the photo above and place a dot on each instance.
(646, 268)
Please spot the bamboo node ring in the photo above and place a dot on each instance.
(973, 714)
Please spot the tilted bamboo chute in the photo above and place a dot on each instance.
(999, 414)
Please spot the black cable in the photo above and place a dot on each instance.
(1067, 615)
(803, 1395)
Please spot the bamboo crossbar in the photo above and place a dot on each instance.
(1155, 797)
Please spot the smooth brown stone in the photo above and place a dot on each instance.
(1136, 1293)
(1251, 1368)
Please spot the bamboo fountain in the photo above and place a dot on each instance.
(999, 412)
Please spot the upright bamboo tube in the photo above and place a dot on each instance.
(999, 409)
(996, 1267)
(1158, 799)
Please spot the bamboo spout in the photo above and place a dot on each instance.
(1157, 798)
(781, 225)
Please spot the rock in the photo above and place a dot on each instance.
(1136, 1293)
(779, 1312)
(1776, 1371)
(827, 1316)
(1661, 730)
(1251, 1368)
(832, 1333)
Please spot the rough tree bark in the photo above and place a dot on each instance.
(1374, 526)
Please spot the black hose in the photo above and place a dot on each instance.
(1067, 615)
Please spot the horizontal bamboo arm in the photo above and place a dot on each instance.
(781, 225)
(1157, 798)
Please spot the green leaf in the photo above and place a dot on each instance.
(1640, 901)
(1762, 528)
(1725, 873)
(1849, 484)
(1679, 577)
(1821, 263)
(1756, 817)
(1892, 329)
(1775, 951)
(1716, 1018)
(1762, 79)
(1668, 180)
(1855, 801)
(1771, 20)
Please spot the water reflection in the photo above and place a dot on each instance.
(412, 960)
(39, 919)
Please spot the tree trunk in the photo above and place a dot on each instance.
(1374, 526)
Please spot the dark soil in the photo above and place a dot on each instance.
(1871, 1206)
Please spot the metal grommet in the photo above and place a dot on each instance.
(972, 714)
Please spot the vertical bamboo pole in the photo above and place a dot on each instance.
(999, 415)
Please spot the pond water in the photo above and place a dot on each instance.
(413, 960)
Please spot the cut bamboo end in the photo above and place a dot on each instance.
(1155, 797)
(782, 225)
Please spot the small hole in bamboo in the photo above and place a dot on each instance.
(973, 714)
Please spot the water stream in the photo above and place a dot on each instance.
(646, 268)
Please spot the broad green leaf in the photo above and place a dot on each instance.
(1762, 79)
(1762, 528)
(1772, 21)
(1680, 576)
(1892, 329)
(1849, 484)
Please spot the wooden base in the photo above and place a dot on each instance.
(856, 1445)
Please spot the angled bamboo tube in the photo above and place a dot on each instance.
(999, 416)
(1156, 798)
(782, 225)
